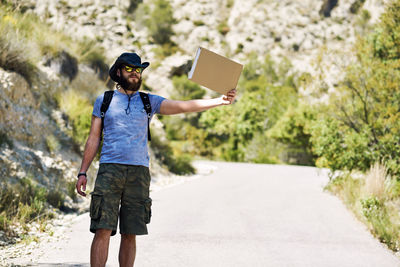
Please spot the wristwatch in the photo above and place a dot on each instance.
(82, 173)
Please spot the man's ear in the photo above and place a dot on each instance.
(118, 73)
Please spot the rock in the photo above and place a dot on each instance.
(64, 64)
(182, 69)
(327, 7)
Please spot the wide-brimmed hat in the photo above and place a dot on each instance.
(126, 58)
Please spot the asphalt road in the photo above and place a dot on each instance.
(240, 215)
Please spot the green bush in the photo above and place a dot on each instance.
(176, 164)
(293, 129)
(386, 39)
(184, 89)
(266, 90)
(360, 125)
(79, 110)
(223, 27)
(21, 202)
(53, 145)
(376, 213)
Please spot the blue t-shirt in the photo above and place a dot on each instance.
(125, 135)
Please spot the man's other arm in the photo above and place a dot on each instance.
(170, 107)
(91, 148)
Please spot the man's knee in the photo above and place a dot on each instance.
(128, 237)
(103, 233)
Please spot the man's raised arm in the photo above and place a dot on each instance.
(170, 107)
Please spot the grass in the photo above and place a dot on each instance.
(374, 198)
(25, 41)
(178, 164)
(79, 110)
(22, 203)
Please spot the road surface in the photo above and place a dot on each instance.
(243, 215)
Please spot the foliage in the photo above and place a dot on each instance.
(386, 39)
(378, 211)
(53, 145)
(79, 110)
(360, 125)
(175, 163)
(16, 53)
(223, 27)
(294, 129)
(22, 202)
(185, 89)
(181, 127)
(265, 92)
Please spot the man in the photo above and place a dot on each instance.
(123, 179)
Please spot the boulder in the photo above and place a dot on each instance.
(327, 7)
(182, 69)
(64, 64)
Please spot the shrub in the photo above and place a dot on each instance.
(386, 38)
(53, 145)
(179, 165)
(268, 89)
(223, 27)
(185, 89)
(198, 23)
(79, 110)
(293, 129)
(377, 215)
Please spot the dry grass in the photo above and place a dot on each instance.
(375, 181)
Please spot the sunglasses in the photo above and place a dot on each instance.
(129, 69)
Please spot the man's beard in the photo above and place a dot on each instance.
(130, 86)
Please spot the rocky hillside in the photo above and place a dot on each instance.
(35, 131)
(299, 30)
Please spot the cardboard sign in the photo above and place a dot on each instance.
(214, 71)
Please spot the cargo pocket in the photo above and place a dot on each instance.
(147, 210)
(95, 206)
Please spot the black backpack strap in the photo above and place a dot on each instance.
(147, 107)
(108, 95)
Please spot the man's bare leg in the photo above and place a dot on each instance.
(99, 249)
(127, 250)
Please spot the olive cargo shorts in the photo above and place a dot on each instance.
(121, 190)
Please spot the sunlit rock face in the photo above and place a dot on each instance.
(299, 30)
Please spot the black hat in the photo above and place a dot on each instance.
(126, 58)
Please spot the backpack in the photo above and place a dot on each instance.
(108, 95)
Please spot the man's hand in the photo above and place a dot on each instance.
(81, 183)
(229, 97)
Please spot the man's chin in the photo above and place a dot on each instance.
(130, 86)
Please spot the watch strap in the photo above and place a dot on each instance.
(82, 173)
